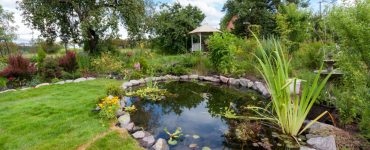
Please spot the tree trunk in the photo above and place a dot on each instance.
(92, 41)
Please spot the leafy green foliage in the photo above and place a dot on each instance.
(41, 54)
(108, 107)
(222, 48)
(151, 92)
(7, 31)
(171, 34)
(107, 63)
(3, 82)
(290, 110)
(173, 136)
(50, 69)
(292, 24)
(92, 21)
(114, 91)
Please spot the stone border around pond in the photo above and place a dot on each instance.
(46, 84)
(145, 138)
(255, 85)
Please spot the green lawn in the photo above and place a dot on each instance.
(56, 117)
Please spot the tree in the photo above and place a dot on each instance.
(292, 25)
(254, 12)
(172, 25)
(87, 21)
(6, 30)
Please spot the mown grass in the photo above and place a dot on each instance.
(53, 117)
(114, 141)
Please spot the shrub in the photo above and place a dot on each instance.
(19, 69)
(83, 60)
(68, 62)
(107, 63)
(222, 48)
(70, 75)
(109, 105)
(3, 82)
(41, 54)
(114, 91)
(50, 69)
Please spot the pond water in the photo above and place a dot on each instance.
(197, 109)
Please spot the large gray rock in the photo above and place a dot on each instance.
(60, 82)
(79, 80)
(10, 90)
(140, 134)
(120, 112)
(42, 84)
(261, 88)
(224, 79)
(134, 82)
(306, 148)
(129, 127)
(161, 144)
(184, 77)
(201, 78)
(69, 81)
(90, 78)
(244, 82)
(234, 82)
(147, 141)
(141, 81)
(124, 119)
(211, 79)
(323, 143)
(126, 85)
(193, 77)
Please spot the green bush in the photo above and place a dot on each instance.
(309, 56)
(41, 54)
(107, 63)
(83, 60)
(50, 69)
(114, 91)
(68, 75)
(222, 52)
(3, 82)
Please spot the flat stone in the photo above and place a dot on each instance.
(124, 119)
(141, 81)
(128, 127)
(323, 143)
(234, 82)
(90, 78)
(184, 77)
(42, 84)
(193, 146)
(261, 88)
(224, 79)
(306, 148)
(211, 79)
(120, 112)
(161, 78)
(147, 141)
(244, 82)
(193, 77)
(126, 85)
(60, 82)
(69, 81)
(161, 144)
(140, 134)
(134, 82)
(201, 78)
(148, 79)
(79, 80)
(10, 90)
(24, 89)
(135, 129)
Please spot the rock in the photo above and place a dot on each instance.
(124, 119)
(323, 143)
(135, 129)
(193, 146)
(140, 134)
(306, 148)
(134, 82)
(193, 77)
(129, 126)
(234, 82)
(60, 82)
(211, 79)
(141, 81)
(201, 78)
(261, 88)
(147, 141)
(244, 82)
(126, 85)
(184, 77)
(69, 81)
(79, 80)
(27, 88)
(10, 90)
(90, 78)
(224, 79)
(161, 78)
(120, 112)
(148, 79)
(42, 84)
(122, 103)
(309, 136)
(161, 144)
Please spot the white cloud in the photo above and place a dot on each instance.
(211, 8)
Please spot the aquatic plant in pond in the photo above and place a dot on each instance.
(290, 108)
(173, 136)
(151, 92)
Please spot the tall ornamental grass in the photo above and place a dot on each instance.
(289, 109)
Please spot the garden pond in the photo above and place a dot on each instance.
(198, 109)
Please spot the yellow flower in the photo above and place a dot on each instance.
(101, 105)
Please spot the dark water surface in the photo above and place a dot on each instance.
(196, 108)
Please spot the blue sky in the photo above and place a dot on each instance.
(211, 8)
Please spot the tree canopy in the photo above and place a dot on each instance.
(7, 30)
(87, 21)
(172, 25)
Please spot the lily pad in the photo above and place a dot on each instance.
(196, 136)
(206, 148)
(172, 142)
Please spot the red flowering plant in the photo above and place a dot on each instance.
(69, 62)
(19, 70)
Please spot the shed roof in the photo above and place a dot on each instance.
(203, 29)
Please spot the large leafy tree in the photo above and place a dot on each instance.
(172, 25)
(7, 31)
(254, 12)
(87, 21)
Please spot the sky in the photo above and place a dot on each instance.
(211, 8)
